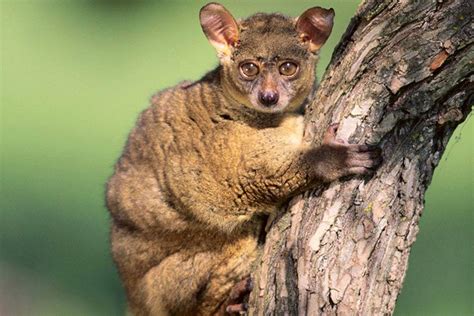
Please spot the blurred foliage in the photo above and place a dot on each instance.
(74, 76)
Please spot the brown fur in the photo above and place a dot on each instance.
(205, 162)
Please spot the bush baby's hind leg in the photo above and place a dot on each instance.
(234, 266)
(175, 286)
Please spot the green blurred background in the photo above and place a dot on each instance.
(74, 76)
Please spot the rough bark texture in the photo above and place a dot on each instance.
(402, 77)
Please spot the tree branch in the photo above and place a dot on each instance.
(401, 77)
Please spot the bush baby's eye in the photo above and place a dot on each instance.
(249, 70)
(288, 68)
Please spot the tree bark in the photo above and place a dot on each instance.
(402, 77)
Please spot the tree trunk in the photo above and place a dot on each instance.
(402, 77)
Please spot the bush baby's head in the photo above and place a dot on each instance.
(268, 60)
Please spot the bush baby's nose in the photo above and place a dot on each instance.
(268, 98)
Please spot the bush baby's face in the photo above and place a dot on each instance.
(267, 60)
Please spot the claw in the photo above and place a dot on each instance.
(237, 297)
(241, 289)
(364, 159)
(330, 134)
(364, 148)
(236, 308)
(249, 285)
(333, 127)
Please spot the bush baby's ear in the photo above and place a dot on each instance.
(315, 25)
(220, 28)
